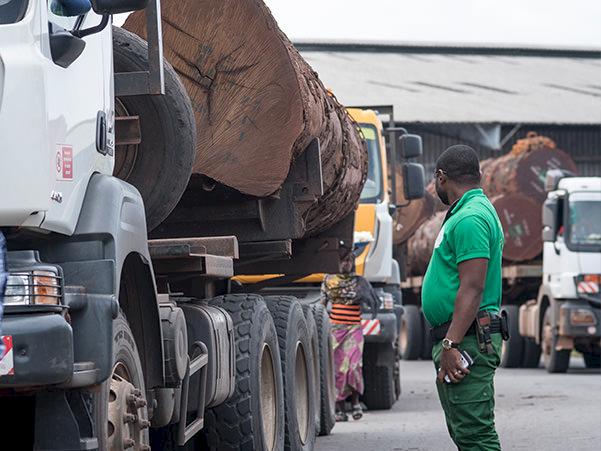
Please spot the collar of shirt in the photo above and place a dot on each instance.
(470, 194)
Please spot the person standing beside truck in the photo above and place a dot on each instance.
(347, 292)
(461, 298)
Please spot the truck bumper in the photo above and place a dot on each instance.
(578, 319)
(42, 350)
(387, 332)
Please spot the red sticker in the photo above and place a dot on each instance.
(64, 162)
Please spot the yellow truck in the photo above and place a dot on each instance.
(373, 235)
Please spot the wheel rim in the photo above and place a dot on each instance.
(403, 337)
(125, 155)
(301, 390)
(126, 419)
(547, 338)
(268, 398)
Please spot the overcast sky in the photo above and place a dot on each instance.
(554, 23)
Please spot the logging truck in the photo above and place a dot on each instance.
(553, 304)
(389, 173)
(113, 340)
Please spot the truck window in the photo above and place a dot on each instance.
(12, 11)
(66, 22)
(372, 190)
(584, 225)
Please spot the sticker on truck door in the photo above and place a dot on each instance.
(64, 162)
(7, 365)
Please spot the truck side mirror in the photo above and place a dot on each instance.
(118, 6)
(410, 146)
(550, 212)
(413, 180)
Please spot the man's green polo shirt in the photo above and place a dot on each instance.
(472, 230)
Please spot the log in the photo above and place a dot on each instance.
(257, 103)
(522, 226)
(421, 245)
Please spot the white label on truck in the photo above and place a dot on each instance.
(7, 365)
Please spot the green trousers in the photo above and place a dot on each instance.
(469, 405)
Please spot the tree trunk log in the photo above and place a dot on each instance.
(257, 103)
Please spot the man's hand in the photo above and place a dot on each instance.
(450, 364)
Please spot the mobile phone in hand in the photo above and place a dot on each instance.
(466, 362)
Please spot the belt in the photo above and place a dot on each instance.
(439, 332)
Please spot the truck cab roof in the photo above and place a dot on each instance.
(571, 184)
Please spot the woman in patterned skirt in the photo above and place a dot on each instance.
(347, 292)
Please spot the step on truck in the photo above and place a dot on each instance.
(115, 341)
(553, 305)
(390, 150)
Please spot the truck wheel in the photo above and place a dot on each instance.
(411, 335)
(512, 351)
(296, 352)
(312, 329)
(532, 352)
(161, 164)
(396, 373)
(120, 410)
(378, 375)
(327, 404)
(253, 418)
(592, 360)
(555, 361)
(427, 343)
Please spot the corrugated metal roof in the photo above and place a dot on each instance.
(446, 85)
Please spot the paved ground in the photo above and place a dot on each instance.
(535, 411)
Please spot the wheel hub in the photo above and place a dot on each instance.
(125, 422)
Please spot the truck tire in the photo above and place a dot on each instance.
(312, 329)
(555, 361)
(327, 402)
(592, 360)
(532, 352)
(427, 343)
(512, 351)
(160, 166)
(378, 376)
(296, 352)
(120, 411)
(411, 335)
(253, 418)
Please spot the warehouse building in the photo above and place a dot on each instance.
(487, 97)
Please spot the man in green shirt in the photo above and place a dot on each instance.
(462, 287)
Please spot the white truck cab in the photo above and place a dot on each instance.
(567, 313)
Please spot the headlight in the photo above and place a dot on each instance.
(33, 288)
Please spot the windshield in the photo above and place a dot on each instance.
(12, 11)
(373, 185)
(584, 221)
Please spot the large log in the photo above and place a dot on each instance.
(257, 103)
(421, 245)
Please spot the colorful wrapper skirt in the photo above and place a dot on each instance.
(347, 341)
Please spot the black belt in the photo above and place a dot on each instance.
(439, 332)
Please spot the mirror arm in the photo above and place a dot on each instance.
(98, 28)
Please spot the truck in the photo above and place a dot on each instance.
(552, 302)
(390, 150)
(116, 341)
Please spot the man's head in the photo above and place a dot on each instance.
(457, 168)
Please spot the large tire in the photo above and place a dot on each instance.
(253, 418)
(327, 404)
(378, 375)
(112, 403)
(411, 335)
(314, 336)
(532, 353)
(427, 343)
(555, 361)
(512, 351)
(592, 360)
(296, 352)
(160, 166)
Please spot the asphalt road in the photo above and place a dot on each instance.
(535, 411)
